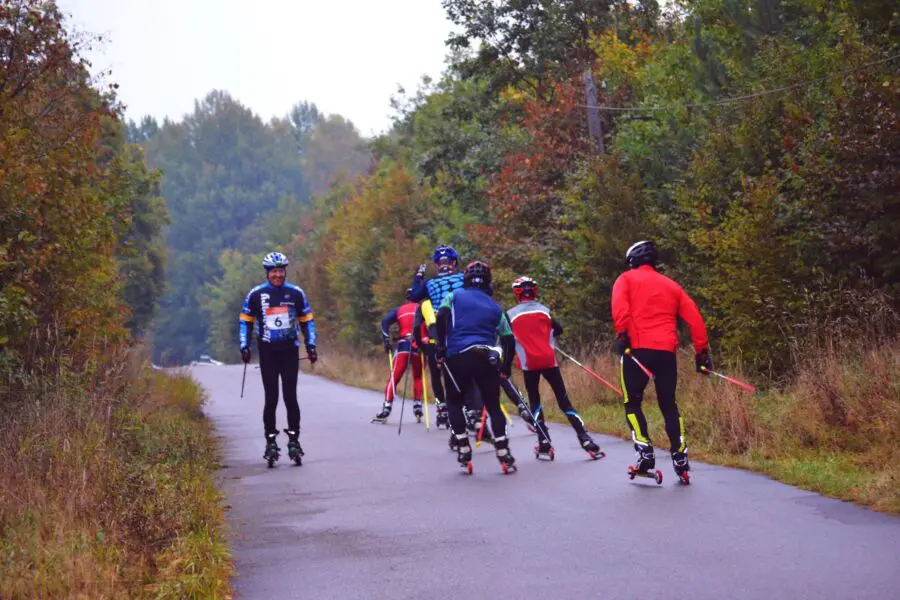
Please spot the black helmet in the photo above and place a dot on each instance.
(409, 294)
(477, 274)
(641, 253)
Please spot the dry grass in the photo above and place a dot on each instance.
(106, 487)
(833, 429)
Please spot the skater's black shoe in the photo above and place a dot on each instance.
(591, 447)
(463, 451)
(272, 451)
(417, 411)
(295, 451)
(472, 421)
(382, 417)
(526, 416)
(646, 459)
(501, 448)
(442, 418)
(682, 466)
(544, 450)
(454, 445)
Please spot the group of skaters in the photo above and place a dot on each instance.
(451, 324)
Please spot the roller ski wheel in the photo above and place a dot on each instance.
(467, 467)
(417, 411)
(684, 478)
(508, 468)
(656, 475)
(542, 452)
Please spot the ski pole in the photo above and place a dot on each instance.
(403, 402)
(740, 384)
(646, 371)
(452, 378)
(243, 379)
(425, 392)
(590, 372)
(481, 429)
(391, 385)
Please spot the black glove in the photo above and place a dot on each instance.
(245, 354)
(505, 371)
(387, 344)
(420, 272)
(702, 361)
(311, 354)
(440, 353)
(429, 349)
(623, 343)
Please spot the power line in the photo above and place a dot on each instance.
(740, 98)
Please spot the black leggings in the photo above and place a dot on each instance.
(284, 362)
(472, 369)
(436, 385)
(665, 375)
(554, 378)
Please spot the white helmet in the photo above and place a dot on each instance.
(275, 260)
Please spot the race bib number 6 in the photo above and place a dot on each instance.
(278, 318)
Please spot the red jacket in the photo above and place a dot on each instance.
(534, 329)
(647, 304)
(404, 316)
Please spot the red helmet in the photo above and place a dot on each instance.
(525, 289)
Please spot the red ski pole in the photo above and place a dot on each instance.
(646, 371)
(732, 380)
(591, 373)
(481, 429)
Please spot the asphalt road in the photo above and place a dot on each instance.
(375, 515)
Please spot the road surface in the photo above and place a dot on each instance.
(373, 515)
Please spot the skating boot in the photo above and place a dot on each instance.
(272, 452)
(417, 411)
(682, 466)
(454, 446)
(463, 451)
(295, 452)
(501, 448)
(526, 416)
(544, 451)
(473, 420)
(591, 447)
(442, 418)
(382, 417)
(645, 464)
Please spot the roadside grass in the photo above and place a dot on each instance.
(107, 486)
(833, 429)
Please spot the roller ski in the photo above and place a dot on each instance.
(463, 452)
(591, 447)
(417, 411)
(442, 418)
(544, 451)
(295, 452)
(272, 452)
(382, 417)
(682, 466)
(507, 462)
(645, 465)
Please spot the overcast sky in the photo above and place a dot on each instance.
(347, 56)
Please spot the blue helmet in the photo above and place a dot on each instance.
(274, 260)
(444, 252)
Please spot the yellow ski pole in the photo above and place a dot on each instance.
(425, 392)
